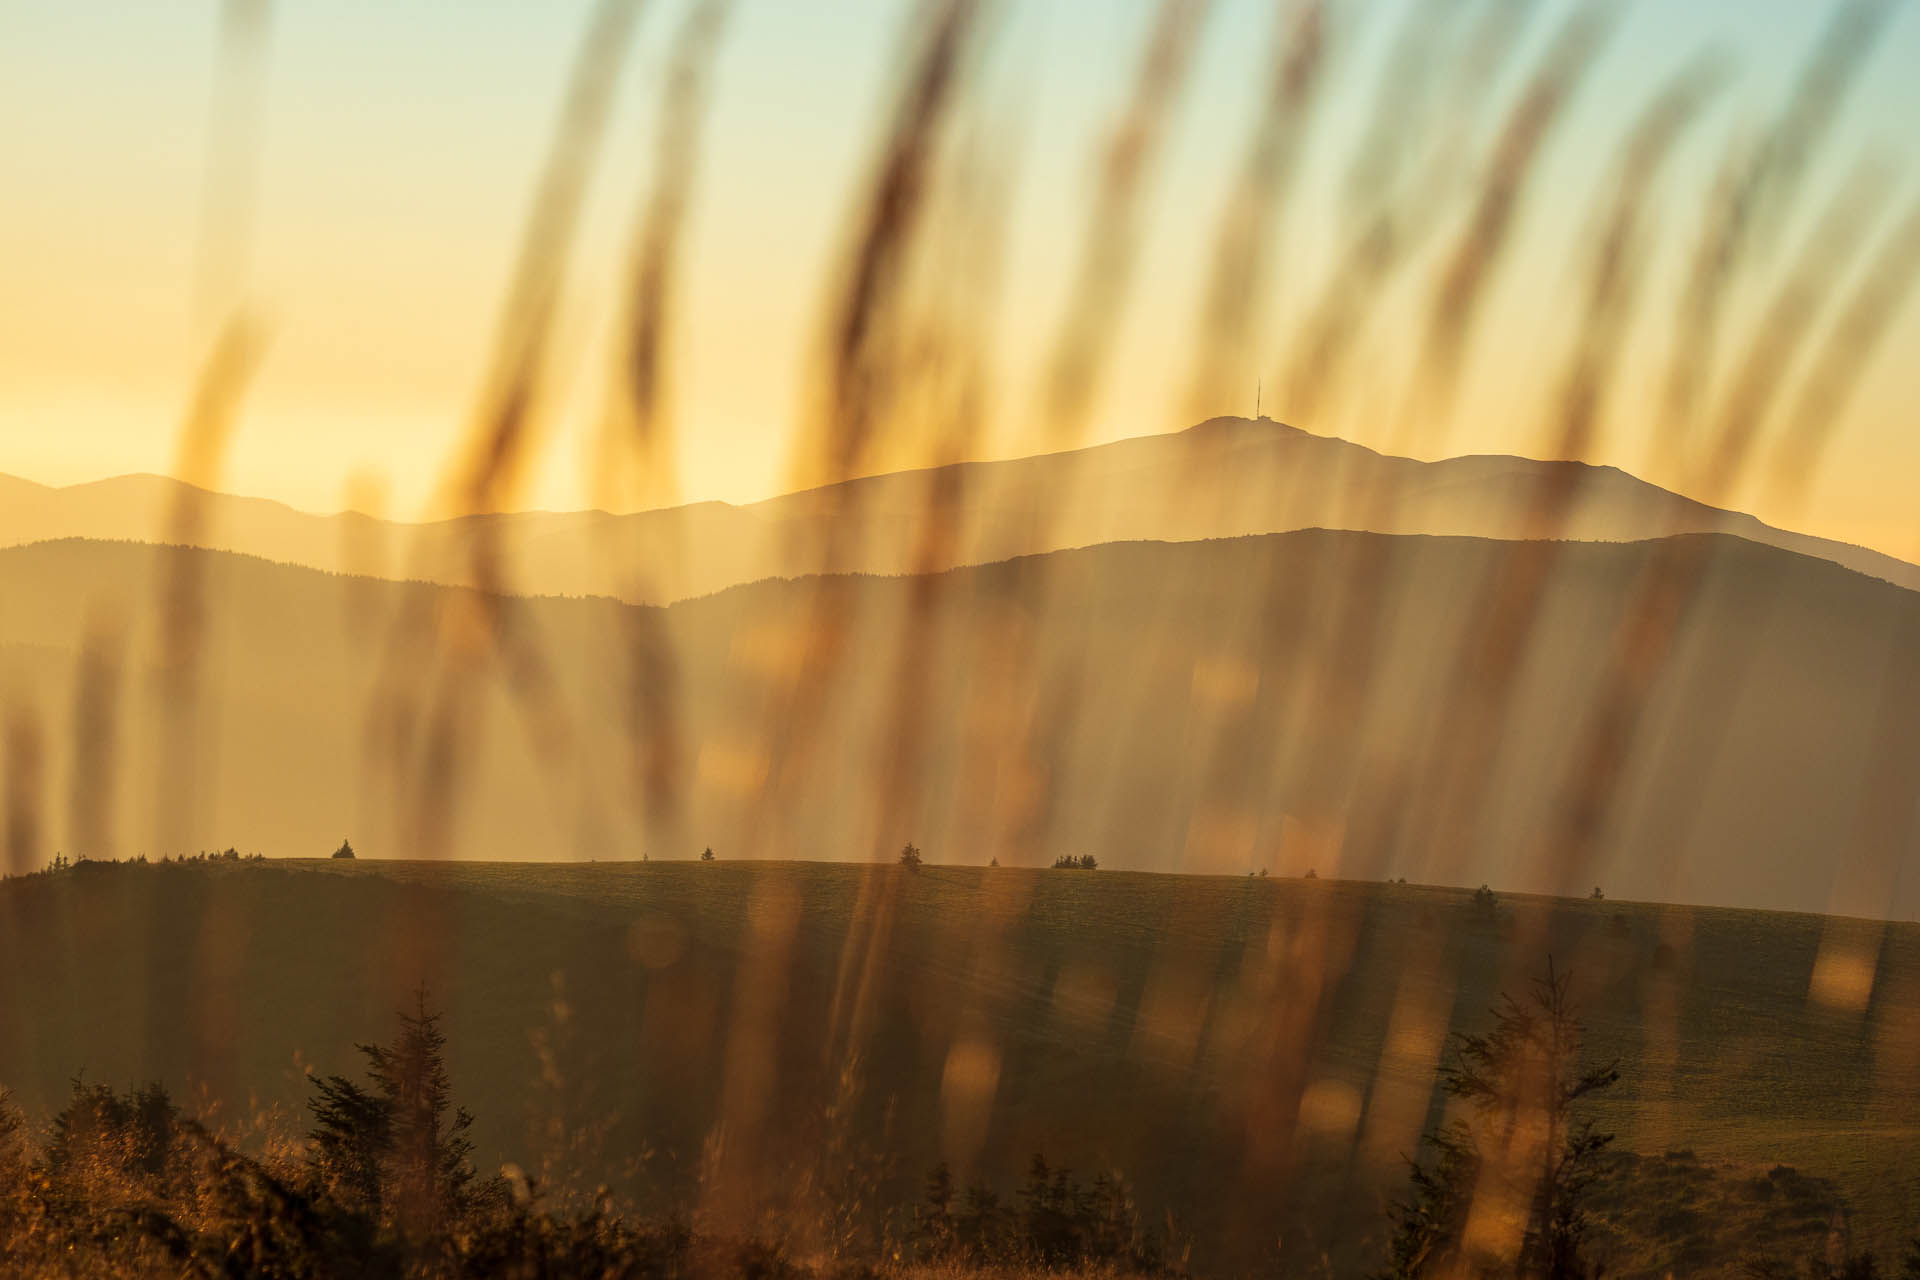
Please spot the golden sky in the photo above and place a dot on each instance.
(398, 149)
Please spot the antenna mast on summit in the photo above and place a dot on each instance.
(1258, 387)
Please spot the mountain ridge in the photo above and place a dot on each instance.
(1226, 477)
(1160, 709)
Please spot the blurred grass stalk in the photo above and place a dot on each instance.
(902, 377)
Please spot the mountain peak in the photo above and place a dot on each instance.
(1226, 476)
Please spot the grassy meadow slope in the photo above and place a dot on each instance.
(1238, 1046)
(1225, 478)
(1137, 701)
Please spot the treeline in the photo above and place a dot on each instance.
(61, 864)
(1504, 1185)
(126, 1184)
(1056, 1222)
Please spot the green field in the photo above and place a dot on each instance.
(758, 1040)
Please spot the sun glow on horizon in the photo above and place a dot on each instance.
(398, 151)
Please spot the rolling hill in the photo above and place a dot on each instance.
(1225, 478)
(1315, 700)
(1246, 1050)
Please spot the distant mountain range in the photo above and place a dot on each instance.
(1229, 477)
(1316, 700)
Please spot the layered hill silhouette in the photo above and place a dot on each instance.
(1228, 477)
(1293, 702)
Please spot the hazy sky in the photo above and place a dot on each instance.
(399, 143)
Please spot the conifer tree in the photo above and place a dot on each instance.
(397, 1146)
(936, 1231)
(1515, 1142)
